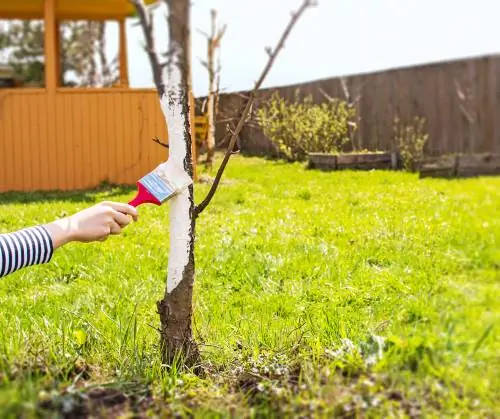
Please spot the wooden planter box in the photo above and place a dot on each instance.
(361, 161)
(466, 165)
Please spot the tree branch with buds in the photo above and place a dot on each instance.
(145, 16)
(213, 44)
(233, 135)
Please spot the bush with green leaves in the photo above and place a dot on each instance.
(410, 139)
(302, 126)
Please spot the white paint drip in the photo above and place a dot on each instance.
(180, 224)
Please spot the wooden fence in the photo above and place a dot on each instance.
(78, 138)
(459, 99)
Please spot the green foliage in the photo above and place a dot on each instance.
(301, 126)
(410, 140)
(317, 295)
(80, 42)
(25, 39)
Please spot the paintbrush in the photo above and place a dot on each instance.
(161, 184)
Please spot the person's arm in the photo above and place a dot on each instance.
(30, 246)
(36, 245)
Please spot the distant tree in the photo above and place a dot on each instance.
(466, 93)
(25, 40)
(82, 42)
(213, 44)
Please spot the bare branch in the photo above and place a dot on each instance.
(206, 35)
(234, 136)
(217, 88)
(326, 95)
(464, 100)
(357, 98)
(204, 63)
(159, 142)
(218, 37)
(242, 95)
(459, 90)
(146, 21)
(345, 89)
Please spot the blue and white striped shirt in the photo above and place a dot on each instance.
(30, 246)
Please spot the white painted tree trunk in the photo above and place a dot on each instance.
(176, 308)
(180, 217)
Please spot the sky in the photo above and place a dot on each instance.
(338, 37)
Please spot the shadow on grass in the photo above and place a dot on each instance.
(102, 193)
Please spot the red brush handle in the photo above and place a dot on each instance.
(143, 197)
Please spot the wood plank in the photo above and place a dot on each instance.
(72, 147)
(22, 168)
(95, 137)
(7, 120)
(358, 161)
(32, 136)
(110, 145)
(136, 139)
(124, 133)
(3, 141)
(465, 165)
(62, 178)
(355, 159)
(103, 137)
(79, 144)
(438, 167)
(478, 164)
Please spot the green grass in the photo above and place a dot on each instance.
(300, 274)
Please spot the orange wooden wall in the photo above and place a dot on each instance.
(78, 138)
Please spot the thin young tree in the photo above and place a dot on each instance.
(213, 45)
(467, 100)
(172, 80)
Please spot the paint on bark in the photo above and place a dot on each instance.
(213, 43)
(175, 309)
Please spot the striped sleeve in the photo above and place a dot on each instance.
(27, 247)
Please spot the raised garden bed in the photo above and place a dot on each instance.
(465, 165)
(354, 161)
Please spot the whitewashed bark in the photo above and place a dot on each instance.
(180, 222)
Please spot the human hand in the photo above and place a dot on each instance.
(92, 224)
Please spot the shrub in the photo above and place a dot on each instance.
(302, 127)
(410, 140)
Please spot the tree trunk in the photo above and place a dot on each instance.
(175, 309)
(107, 79)
(211, 93)
(211, 128)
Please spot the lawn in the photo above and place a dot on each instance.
(316, 294)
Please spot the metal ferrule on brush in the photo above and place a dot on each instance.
(157, 187)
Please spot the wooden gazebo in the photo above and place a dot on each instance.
(72, 138)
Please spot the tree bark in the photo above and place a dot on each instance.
(175, 309)
(211, 46)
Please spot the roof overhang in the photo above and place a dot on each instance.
(69, 9)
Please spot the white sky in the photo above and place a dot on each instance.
(339, 37)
